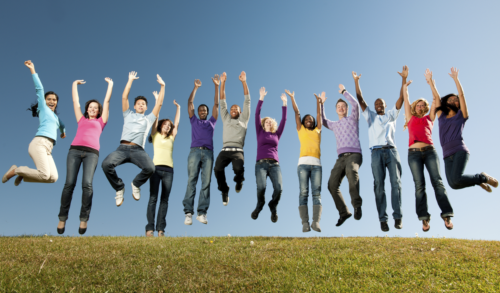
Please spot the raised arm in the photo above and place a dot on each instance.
(295, 109)
(131, 77)
(159, 101)
(245, 114)
(324, 121)
(461, 97)
(436, 100)
(223, 104)
(155, 125)
(359, 94)
(105, 106)
(215, 109)
(406, 97)
(258, 126)
(281, 127)
(177, 119)
(404, 75)
(197, 84)
(76, 100)
(36, 80)
(319, 116)
(354, 104)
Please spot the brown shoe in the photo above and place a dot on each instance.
(18, 180)
(150, 233)
(485, 187)
(161, 234)
(9, 174)
(447, 223)
(425, 225)
(491, 181)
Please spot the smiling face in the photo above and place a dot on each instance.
(309, 122)
(380, 106)
(202, 112)
(51, 101)
(268, 125)
(420, 108)
(453, 101)
(93, 110)
(235, 111)
(140, 106)
(341, 109)
(165, 127)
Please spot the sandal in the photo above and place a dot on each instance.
(150, 233)
(425, 223)
(447, 223)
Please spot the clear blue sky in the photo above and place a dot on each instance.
(303, 46)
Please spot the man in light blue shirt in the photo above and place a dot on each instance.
(131, 149)
(381, 128)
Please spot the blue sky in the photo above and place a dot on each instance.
(306, 47)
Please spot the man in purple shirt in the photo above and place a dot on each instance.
(346, 132)
(201, 156)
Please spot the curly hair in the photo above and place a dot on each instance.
(274, 127)
(413, 110)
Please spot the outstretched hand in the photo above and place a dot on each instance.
(404, 73)
(341, 88)
(428, 76)
(355, 76)
(283, 97)
(109, 80)
(243, 76)
(216, 79)
(262, 91)
(132, 75)
(321, 98)
(29, 64)
(175, 103)
(79, 81)
(223, 77)
(160, 81)
(155, 93)
(292, 95)
(454, 73)
(405, 87)
(197, 83)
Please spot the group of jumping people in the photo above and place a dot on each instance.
(451, 111)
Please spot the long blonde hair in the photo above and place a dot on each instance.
(413, 110)
(274, 128)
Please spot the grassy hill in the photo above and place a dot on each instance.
(139, 264)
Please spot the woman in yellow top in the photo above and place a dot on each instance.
(309, 167)
(163, 135)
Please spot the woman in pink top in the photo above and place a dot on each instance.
(421, 153)
(84, 150)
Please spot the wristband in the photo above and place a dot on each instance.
(343, 91)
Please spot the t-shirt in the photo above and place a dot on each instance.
(450, 133)
(202, 132)
(310, 141)
(420, 129)
(381, 128)
(163, 149)
(136, 127)
(88, 133)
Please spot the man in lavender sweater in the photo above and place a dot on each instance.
(346, 132)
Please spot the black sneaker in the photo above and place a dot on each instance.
(384, 226)
(398, 224)
(255, 214)
(238, 187)
(225, 197)
(357, 213)
(342, 220)
(274, 217)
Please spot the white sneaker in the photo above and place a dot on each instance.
(119, 197)
(202, 219)
(189, 219)
(136, 192)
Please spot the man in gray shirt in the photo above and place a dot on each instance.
(235, 125)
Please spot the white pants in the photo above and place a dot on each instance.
(40, 151)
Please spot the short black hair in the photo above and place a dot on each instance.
(141, 98)
(203, 105)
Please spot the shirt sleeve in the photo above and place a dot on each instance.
(245, 115)
(258, 125)
(367, 113)
(103, 124)
(151, 118)
(213, 121)
(394, 113)
(354, 105)
(62, 128)
(282, 122)
(126, 112)
(223, 110)
(327, 123)
(39, 91)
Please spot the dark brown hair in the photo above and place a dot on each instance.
(158, 129)
(86, 114)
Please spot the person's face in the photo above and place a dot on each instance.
(453, 100)
(420, 108)
(380, 106)
(309, 122)
(235, 111)
(51, 102)
(268, 125)
(165, 127)
(93, 110)
(202, 113)
(341, 109)
(140, 107)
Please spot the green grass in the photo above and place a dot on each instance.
(184, 264)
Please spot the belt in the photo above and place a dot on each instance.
(384, 147)
(346, 154)
(232, 150)
(267, 160)
(201, 148)
(429, 147)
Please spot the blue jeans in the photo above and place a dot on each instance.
(429, 159)
(273, 170)
(165, 178)
(382, 159)
(128, 154)
(73, 162)
(306, 173)
(203, 160)
(455, 168)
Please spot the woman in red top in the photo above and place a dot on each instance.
(422, 153)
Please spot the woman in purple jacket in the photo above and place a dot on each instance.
(268, 136)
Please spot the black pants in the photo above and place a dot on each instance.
(223, 160)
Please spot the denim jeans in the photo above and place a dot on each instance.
(429, 159)
(455, 168)
(165, 178)
(262, 171)
(128, 154)
(223, 160)
(73, 162)
(314, 174)
(347, 165)
(382, 159)
(203, 160)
